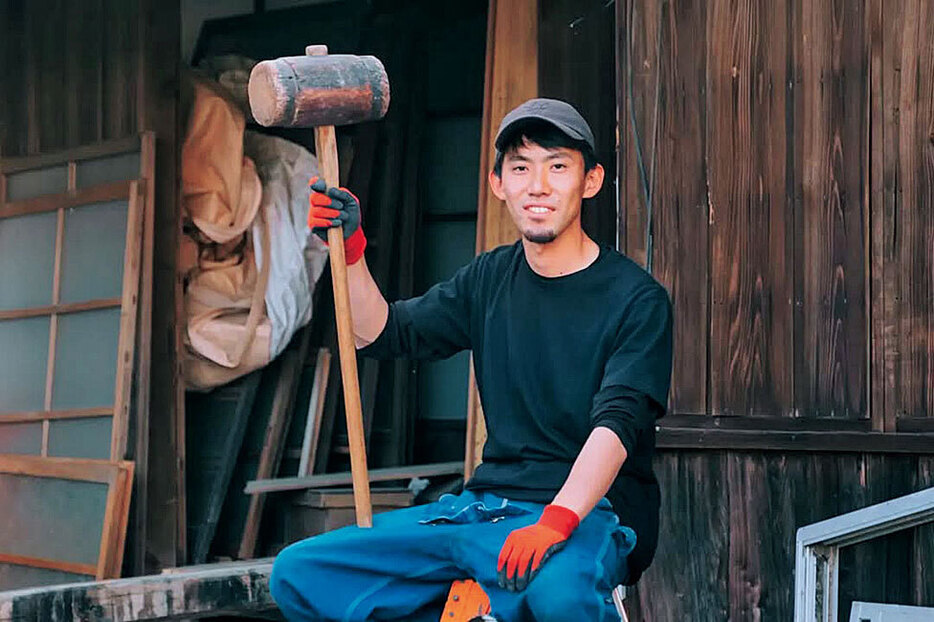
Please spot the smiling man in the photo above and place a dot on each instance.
(572, 353)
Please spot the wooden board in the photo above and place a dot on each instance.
(751, 336)
(679, 191)
(70, 516)
(310, 445)
(286, 386)
(830, 166)
(72, 323)
(187, 592)
(908, 179)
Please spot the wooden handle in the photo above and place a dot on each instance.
(326, 147)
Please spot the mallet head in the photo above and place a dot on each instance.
(308, 91)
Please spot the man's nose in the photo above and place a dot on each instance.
(539, 182)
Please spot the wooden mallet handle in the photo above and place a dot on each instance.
(326, 147)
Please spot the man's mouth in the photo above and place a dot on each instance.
(538, 209)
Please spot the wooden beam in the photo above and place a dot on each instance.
(66, 200)
(128, 309)
(767, 424)
(745, 440)
(138, 448)
(48, 415)
(76, 154)
(342, 479)
(214, 589)
(158, 111)
(315, 412)
(80, 469)
(58, 309)
(48, 564)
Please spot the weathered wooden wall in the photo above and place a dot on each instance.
(787, 148)
(77, 73)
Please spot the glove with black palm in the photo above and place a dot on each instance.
(336, 207)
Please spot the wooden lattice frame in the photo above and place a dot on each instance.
(138, 193)
(119, 479)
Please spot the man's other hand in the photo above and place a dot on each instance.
(528, 548)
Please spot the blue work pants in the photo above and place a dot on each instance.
(402, 567)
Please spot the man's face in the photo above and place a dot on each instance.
(543, 189)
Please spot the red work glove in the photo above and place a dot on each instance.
(336, 207)
(526, 549)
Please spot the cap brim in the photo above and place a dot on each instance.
(504, 131)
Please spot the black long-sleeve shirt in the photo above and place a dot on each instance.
(554, 358)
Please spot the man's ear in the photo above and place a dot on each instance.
(496, 185)
(593, 181)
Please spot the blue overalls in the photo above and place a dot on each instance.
(402, 567)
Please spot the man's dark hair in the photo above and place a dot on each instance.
(543, 134)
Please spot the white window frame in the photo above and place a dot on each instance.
(817, 550)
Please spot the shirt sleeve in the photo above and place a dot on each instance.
(432, 326)
(637, 375)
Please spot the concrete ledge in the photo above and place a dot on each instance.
(195, 591)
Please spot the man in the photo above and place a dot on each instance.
(572, 352)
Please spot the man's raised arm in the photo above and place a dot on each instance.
(333, 207)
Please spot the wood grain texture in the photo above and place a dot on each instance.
(830, 329)
(159, 29)
(911, 101)
(129, 306)
(728, 524)
(880, 227)
(86, 196)
(637, 125)
(680, 220)
(751, 358)
(689, 577)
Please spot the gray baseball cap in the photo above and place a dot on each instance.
(560, 114)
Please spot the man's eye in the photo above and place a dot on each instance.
(559, 167)
(519, 168)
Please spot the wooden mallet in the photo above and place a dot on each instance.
(320, 90)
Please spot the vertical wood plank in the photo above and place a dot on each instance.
(129, 306)
(880, 223)
(914, 204)
(751, 269)
(119, 53)
(689, 577)
(830, 378)
(680, 198)
(12, 100)
(159, 31)
(747, 511)
(51, 29)
(892, 22)
(31, 80)
(638, 121)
